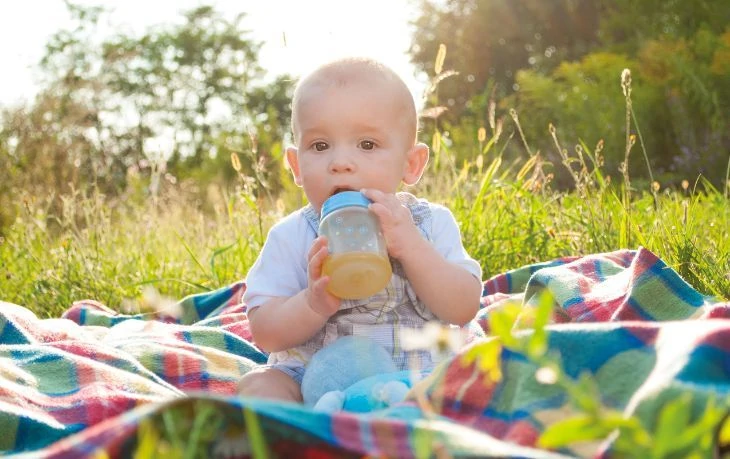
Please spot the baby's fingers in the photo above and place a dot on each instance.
(320, 300)
(317, 254)
(378, 197)
(317, 245)
(384, 213)
(318, 287)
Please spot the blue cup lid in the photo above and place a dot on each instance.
(344, 199)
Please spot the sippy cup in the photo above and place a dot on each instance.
(358, 264)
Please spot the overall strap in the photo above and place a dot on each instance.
(420, 211)
(312, 218)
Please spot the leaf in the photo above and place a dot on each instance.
(538, 341)
(463, 174)
(697, 436)
(501, 323)
(256, 437)
(192, 255)
(487, 357)
(585, 394)
(169, 418)
(206, 426)
(672, 421)
(572, 430)
(583, 427)
(723, 435)
(147, 439)
(216, 253)
(529, 164)
(484, 185)
(422, 442)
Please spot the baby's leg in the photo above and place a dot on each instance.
(268, 382)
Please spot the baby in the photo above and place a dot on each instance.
(354, 124)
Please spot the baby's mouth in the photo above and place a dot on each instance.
(341, 189)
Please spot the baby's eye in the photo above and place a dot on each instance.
(367, 144)
(320, 146)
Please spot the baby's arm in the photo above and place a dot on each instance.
(450, 291)
(285, 322)
(447, 289)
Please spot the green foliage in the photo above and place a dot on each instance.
(177, 99)
(489, 41)
(579, 98)
(259, 449)
(109, 249)
(188, 429)
(176, 77)
(627, 25)
(557, 62)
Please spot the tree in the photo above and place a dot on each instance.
(528, 52)
(184, 94)
(626, 25)
(185, 82)
(490, 40)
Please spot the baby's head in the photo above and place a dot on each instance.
(356, 74)
(354, 124)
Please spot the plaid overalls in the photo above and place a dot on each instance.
(379, 317)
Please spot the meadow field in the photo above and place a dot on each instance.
(110, 249)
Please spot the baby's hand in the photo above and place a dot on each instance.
(319, 299)
(396, 222)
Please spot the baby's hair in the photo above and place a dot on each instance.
(342, 72)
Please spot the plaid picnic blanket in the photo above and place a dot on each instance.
(99, 383)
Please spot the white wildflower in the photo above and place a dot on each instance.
(441, 340)
(546, 375)
(152, 301)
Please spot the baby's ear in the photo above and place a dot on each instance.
(293, 160)
(416, 160)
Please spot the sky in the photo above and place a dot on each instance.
(297, 34)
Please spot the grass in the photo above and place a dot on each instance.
(110, 249)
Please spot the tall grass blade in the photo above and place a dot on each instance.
(259, 448)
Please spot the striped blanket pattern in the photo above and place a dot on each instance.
(95, 381)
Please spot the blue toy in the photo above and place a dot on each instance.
(354, 374)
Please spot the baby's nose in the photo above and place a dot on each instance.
(342, 162)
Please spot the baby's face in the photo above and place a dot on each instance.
(350, 137)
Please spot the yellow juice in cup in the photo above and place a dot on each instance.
(357, 274)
